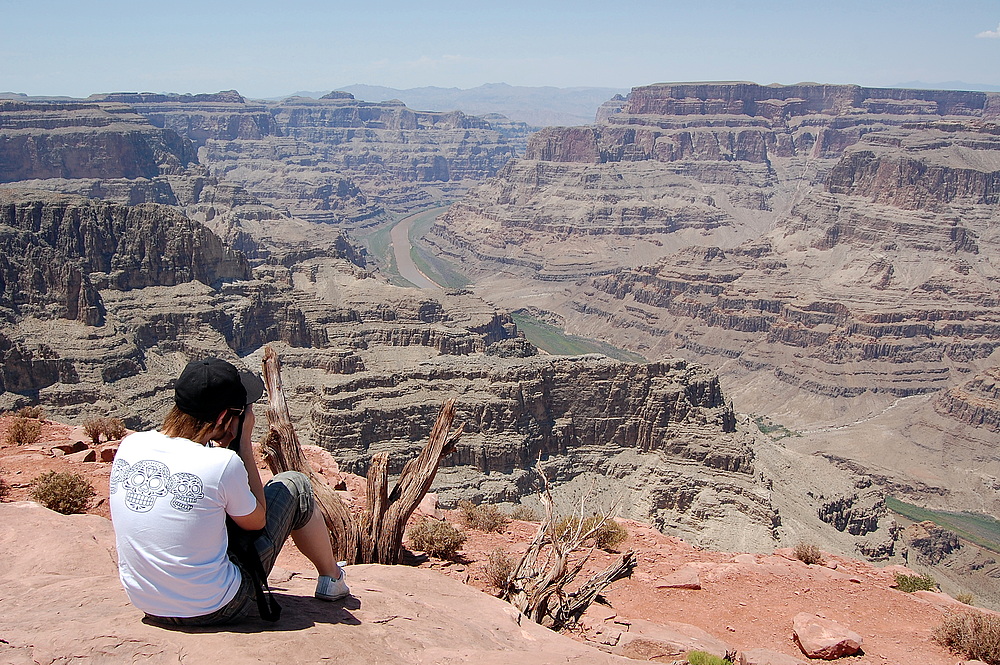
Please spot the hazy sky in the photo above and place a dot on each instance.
(268, 49)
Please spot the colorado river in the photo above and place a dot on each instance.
(399, 237)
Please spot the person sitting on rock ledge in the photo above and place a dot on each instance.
(172, 489)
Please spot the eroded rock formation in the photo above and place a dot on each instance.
(368, 364)
(830, 248)
(41, 140)
(335, 159)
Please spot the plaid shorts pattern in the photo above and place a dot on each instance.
(289, 500)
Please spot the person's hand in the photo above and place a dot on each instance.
(247, 435)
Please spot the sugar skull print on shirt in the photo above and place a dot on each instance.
(147, 481)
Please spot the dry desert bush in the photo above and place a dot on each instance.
(111, 428)
(974, 635)
(436, 537)
(34, 412)
(524, 513)
(499, 567)
(4, 489)
(485, 517)
(966, 598)
(808, 553)
(63, 492)
(23, 431)
(607, 533)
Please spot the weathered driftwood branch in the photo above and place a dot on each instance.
(378, 537)
(387, 513)
(282, 452)
(537, 587)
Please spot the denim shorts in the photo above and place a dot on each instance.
(289, 502)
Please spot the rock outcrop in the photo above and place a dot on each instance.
(41, 140)
(60, 252)
(931, 543)
(824, 639)
(975, 402)
(62, 599)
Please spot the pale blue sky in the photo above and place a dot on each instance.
(267, 49)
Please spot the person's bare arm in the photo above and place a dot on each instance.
(258, 518)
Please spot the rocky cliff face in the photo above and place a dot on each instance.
(335, 159)
(59, 252)
(831, 249)
(76, 140)
(975, 402)
(633, 201)
(97, 298)
(654, 442)
(674, 165)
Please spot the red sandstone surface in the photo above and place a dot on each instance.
(745, 600)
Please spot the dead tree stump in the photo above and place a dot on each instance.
(537, 586)
(378, 536)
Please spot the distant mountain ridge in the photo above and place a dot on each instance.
(537, 106)
(949, 85)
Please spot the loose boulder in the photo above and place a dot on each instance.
(685, 578)
(645, 640)
(823, 638)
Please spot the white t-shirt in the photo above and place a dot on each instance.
(169, 500)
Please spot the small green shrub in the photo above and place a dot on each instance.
(974, 635)
(524, 513)
(499, 567)
(436, 537)
(966, 598)
(911, 583)
(110, 428)
(705, 658)
(485, 517)
(63, 492)
(808, 554)
(23, 431)
(33, 412)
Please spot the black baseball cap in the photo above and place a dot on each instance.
(207, 387)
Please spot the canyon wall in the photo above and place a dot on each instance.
(831, 250)
(367, 365)
(335, 159)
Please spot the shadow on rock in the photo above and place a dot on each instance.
(297, 613)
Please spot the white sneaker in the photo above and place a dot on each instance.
(328, 588)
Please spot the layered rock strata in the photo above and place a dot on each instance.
(367, 366)
(680, 164)
(59, 252)
(657, 440)
(335, 159)
(653, 442)
(832, 250)
(975, 402)
(41, 140)
(837, 238)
